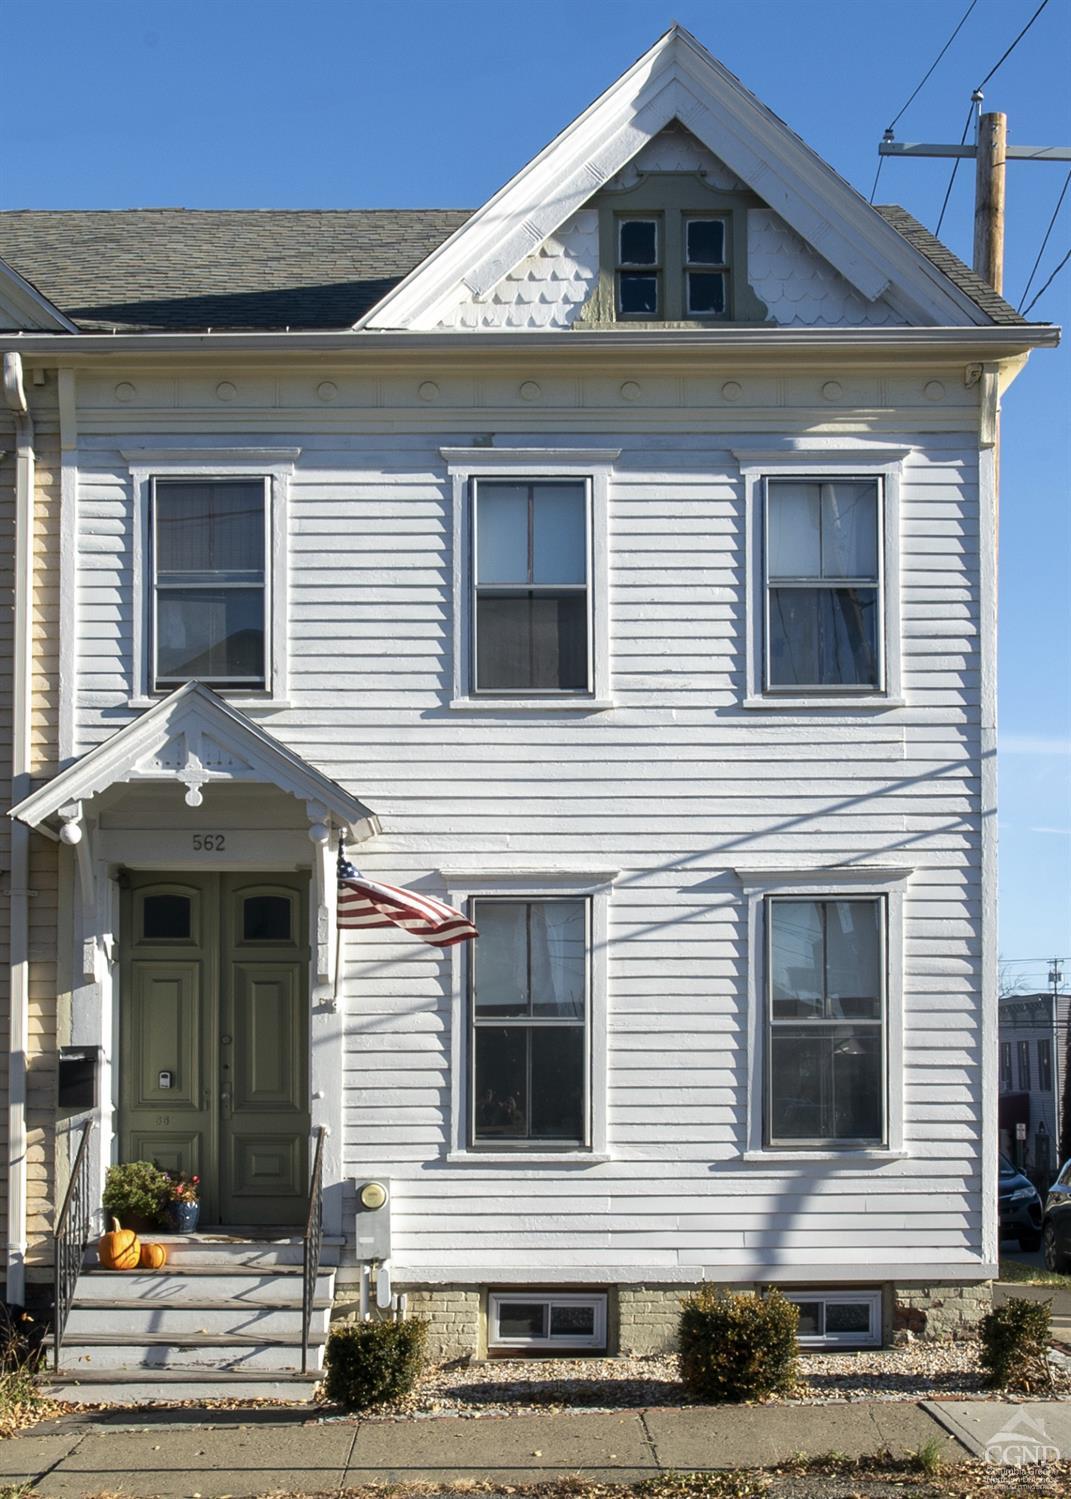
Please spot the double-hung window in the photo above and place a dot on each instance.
(209, 582)
(532, 610)
(529, 1023)
(823, 585)
(1024, 1066)
(1045, 1066)
(1005, 1067)
(825, 1021)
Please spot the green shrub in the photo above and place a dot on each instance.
(1015, 1341)
(137, 1190)
(737, 1347)
(366, 1363)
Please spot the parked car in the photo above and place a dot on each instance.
(1056, 1225)
(1020, 1207)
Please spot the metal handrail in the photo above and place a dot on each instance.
(314, 1238)
(69, 1240)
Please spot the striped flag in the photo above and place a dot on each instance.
(366, 903)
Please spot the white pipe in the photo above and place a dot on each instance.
(15, 397)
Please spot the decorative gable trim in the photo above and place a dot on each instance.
(677, 80)
(22, 306)
(194, 738)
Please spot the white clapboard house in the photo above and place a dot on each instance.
(614, 563)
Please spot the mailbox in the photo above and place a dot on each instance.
(79, 1076)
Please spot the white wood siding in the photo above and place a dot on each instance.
(675, 786)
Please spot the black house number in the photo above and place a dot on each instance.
(209, 843)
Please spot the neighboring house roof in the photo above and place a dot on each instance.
(149, 270)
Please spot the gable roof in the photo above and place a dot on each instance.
(23, 306)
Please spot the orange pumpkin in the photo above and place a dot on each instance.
(153, 1256)
(120, 1249)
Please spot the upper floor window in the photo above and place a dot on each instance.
(209, 582)
(1005, 1067)
(1024, 1066)
(672, 266)
(1045, 1066)
(532, 612)
(824, 615)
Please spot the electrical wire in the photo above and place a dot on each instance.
(1048, 283)
(918, 89)
(1045, 241)
(1004, 57)
(955, 169)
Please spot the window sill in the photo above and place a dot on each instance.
(235, 699)
(526, 1158)
(530, 705)
(850, 1153)
(834, 704)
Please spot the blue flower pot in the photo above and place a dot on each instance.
(184, 1216)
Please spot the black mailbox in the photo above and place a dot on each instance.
(79, 1076)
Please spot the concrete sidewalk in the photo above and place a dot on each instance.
(215, 1453)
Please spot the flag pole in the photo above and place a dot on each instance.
(338, 929)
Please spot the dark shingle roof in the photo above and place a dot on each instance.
(979, 291)
(181, 270)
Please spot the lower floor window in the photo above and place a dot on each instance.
(831, 1319)
(546, 1320)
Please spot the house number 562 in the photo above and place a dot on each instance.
(209, 843)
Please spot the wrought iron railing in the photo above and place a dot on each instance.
(70, 1238)
(314, 1238)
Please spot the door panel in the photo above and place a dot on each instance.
(215, 993)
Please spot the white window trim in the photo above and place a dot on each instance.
(822, 463)
(857, 882)
(871, 1339)
(594, 467)
(597, 889)
(275, 466)
(595, 1299)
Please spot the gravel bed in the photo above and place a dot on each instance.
(922, 1371)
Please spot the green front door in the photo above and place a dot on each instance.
(214, 1025)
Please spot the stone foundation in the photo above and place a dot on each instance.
(935, 1312)
(647, 1318)
(453, 1317)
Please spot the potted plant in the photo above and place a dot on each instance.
(183, 1207)
(136, 1192)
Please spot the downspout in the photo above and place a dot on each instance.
(15, 398)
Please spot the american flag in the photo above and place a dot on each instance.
(366, 903)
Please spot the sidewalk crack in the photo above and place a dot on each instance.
(349, 1460)
(649, 1439)
(52, 1467)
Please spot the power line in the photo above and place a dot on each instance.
(1045, 241)
(1004, 57)
(955, 167)
(1048, 283)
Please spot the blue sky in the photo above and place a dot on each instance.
(435, 103)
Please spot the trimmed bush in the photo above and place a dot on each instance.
(737, 1346)
(137, 1193)
(1015, 1342)
(366, 1363)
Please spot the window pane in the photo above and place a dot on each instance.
(798, 1083)
(559, 966)
(849, 531)
(706, 293)
(214, 634)
(522, 1319)
(206, 527)
(639, 242)
(637, 294)
(827, 1084)
(857, 1086)
(558, 1083)
(500, 1082)
(853, 959)
(532, 641)
(572, 1321)
(166, 918)
(502, 533)
(500, 960)
(706, 242)
(796, 958)
(793, 545)
(266, 918)
(560, 544)
(847, 1316)
(810, 1323)
(823, 637)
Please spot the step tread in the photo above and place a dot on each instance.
(234, 1270)
(181, 1376)
(126, 1304)
(186, 1339)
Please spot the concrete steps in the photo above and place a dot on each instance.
(222, 1319)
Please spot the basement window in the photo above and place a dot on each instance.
(542, 1321)
(838, 1319)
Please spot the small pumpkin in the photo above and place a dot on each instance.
(120, 1249)
(153, 1256)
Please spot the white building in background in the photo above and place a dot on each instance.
(616, 562)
